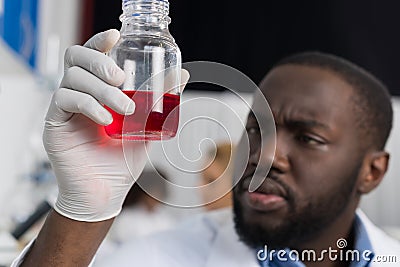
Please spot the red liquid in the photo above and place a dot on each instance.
(145, 123)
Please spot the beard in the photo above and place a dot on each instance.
(303, 222)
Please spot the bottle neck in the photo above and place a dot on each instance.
(149, 15)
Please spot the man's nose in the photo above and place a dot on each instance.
(273, 152)
(281, 162)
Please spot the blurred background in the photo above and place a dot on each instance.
(251, 38)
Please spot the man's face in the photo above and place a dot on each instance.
(316, 163)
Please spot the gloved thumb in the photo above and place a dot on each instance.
(103, 41)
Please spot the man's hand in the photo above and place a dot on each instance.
(92, 175)
(90, 167)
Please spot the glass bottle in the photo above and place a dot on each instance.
(151, 60)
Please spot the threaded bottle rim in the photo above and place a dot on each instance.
(141, 10)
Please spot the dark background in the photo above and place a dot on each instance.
(253, 35)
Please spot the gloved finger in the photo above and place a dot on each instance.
(95, 62)
(67, 101)
(103, 41)
(81, 80)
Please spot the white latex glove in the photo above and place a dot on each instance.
(92, 175)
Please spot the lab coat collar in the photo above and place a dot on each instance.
(382, 244)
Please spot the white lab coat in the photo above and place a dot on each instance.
(206, 240)
(210, 240)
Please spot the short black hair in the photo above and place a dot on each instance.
(373, 106)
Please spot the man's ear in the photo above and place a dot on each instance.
(374, 168)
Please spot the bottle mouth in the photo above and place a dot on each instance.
(146, 11)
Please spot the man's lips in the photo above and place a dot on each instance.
(269, 196)
(264, 202)
(268, 187)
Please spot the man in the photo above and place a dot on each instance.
(332, 121)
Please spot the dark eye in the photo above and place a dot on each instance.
(306, 139)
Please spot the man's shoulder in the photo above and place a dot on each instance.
(382, 243)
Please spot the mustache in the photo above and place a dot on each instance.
(271, 178)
